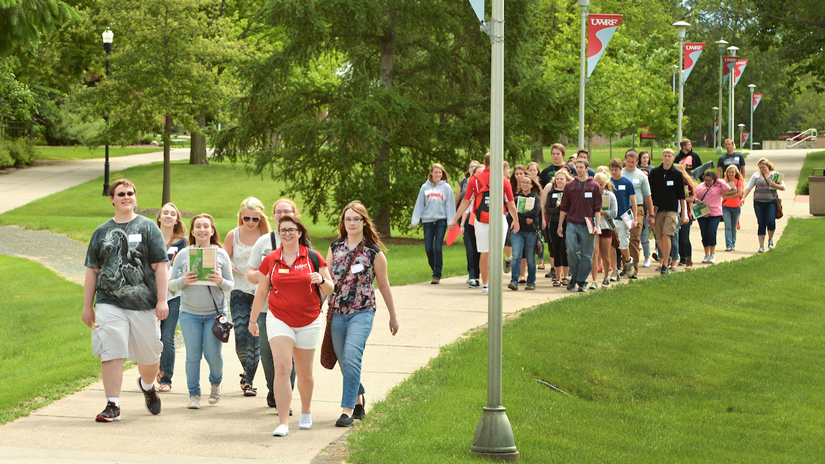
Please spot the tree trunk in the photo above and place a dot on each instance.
(197, 146)
(382, 161)
(538, 149)
(167, 169)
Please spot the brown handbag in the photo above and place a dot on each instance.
(328, 358)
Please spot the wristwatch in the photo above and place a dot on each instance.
(323, 280)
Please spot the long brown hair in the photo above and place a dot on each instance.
(369, 229)
(214, 240)
(179, 230)
(304, 240)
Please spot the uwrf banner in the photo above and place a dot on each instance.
(600, 29)
(727, 67)
(692, 52)
(745, 137)
(757, 97)
(738, 69)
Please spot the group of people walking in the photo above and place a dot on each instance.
(596, 221)
(144, 278)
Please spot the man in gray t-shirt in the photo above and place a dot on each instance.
(642, 187)
(124, 298)
(730, 158)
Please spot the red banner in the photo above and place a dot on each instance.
(757, 97)
(600, 29)
(727, 66)
(692, 52)
(739, 68)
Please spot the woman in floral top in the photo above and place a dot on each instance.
(357, 260)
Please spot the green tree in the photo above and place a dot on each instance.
(361, 96)
(16, 99)
(23, 22)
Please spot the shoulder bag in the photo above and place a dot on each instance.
(779, 212)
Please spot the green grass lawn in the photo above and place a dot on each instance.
(814, 159)
(46, 353)
(722, 364)
(78, 153)
(217, 190)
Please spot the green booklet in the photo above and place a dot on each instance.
(605, 202)
(778, 177)
(525, 204)
(203, 261)
(700, 209)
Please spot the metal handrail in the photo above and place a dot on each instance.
(805, 136)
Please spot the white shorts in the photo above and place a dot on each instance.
(622, 233)
(305, 338)
(119, 334)
(483, 235)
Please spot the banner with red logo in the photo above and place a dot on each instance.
(727, 65)
(745, 137)
(738, 70)
(600, 29)
(757, 97)
(692, 52)
(715, 127)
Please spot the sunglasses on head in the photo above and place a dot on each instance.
(253, 219)
(131, 193)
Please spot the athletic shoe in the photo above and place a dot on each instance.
(770, 243)
(281, 431)
(512, 286)
(761, 249)
(485, 289)
(550, 274)
(571, 286)
(306, 422)
(344, 421)
(614, 277)
(151, 397)
(270, 400)
(215, 395)
(646, 262)
(634, 277)
(474, 284)
(110, 414)
(593, 286)
(194, 402)
(712, 258)
(508, 265)
(664, 270)
(631, 270)
(706, 259)
(583, 288)
(469, 280)
(530, 287)
(606, 281)
(435, 281)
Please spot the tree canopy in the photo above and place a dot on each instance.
(23, 22)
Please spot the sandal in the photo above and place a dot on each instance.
(249, 390)
(565, 281)
(689, 265)
(540, 266)
(557, 283)
(165, 387)
(522, 281)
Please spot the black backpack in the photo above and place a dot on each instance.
(313, 258)
(483, 210)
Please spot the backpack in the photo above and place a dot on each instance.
(483, 210)
(313, 259)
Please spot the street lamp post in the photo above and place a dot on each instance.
(108, 35)
(583, 61)
(681, 29)
(673, 70)
(721, 45)
(741, 135)
(732, 50)
(750, 127)
(715, 123)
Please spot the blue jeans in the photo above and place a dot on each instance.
(524, 241)
(579, 242)
(685, 248)
(266, 353)
(247, 347)
(708, 225)
(167, 336)
(433, 240)
(473, 256)
(199, 341)
(731, 217)
(349, 338)
(765, 216)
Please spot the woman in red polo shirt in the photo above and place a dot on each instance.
(293, 323)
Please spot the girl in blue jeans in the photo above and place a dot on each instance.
(524, 241)
(434, 205)
(765, 194)
(174, 234)
(357, 261)
(198, 307)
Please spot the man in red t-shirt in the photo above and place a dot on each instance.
(477, 185)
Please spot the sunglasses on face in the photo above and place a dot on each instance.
(131, 193)
(253, 219)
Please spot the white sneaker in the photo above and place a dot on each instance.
(646, 262)
(281, 431)
(485, 289)
(630, 268)
(712, 258)
(306, 422)
(593, 286)
(761, 249)
(706, 259)
(194, 402)
(216, 394)
(770, 243)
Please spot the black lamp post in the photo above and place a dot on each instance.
(107, 45)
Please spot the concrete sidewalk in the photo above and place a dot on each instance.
(238, 429)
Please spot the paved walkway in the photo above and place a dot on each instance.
(238, 429)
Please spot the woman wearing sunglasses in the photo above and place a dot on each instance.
(292, 290)
(252, 224)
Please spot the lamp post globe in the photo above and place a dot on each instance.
(722, 46)
(681, 30)
(108, 37)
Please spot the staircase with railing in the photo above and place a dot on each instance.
(808, 138)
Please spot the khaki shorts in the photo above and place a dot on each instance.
(667, 222)
(119, 334)
(305, 338)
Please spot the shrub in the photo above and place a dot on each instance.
(21, 151)
(68, 128)
(5, 157)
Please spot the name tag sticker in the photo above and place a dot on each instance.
(555, 195)
(670, 183)
(283, 271)
(356, 268)
(636, 181)
(135, 238)
(621, 187)
(588, 194)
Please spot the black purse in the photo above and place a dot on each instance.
(222, 328)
